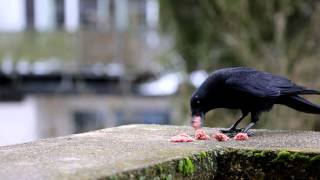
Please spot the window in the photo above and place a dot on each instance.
(60, 13)
(86, 120)
(88, 13)
(30, 14)
(143, 117)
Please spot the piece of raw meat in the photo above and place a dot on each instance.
(196, 122)
(241, 137)
(183, 137)
(200, 134)
(220, 137)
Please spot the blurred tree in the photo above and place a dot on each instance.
(269, 34)
(278, 36)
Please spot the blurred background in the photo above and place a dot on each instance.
(71, 66)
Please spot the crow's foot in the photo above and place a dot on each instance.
(250, 133)
(231, 132)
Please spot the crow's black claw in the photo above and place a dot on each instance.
(250, 133)
(231, 130)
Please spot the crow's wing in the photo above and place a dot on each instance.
(262, 84)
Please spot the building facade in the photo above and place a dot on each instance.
(71, 15)
(99, 38)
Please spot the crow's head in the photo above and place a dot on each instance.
(196, 104)
(203, 99)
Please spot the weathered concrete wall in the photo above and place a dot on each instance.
(145, 152)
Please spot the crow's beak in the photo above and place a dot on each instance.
(197, 119)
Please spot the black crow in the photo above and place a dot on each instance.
(249, 90)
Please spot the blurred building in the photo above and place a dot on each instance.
(71, 15)
(50, 116)
(70, 66)
(95, 31)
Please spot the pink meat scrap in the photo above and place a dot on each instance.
(220, 137)
(183, 137)
(196, 122)
(200, 134)
(241, 137)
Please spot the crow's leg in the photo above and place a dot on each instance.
(254, 119)
(233, 128)
(246, 129)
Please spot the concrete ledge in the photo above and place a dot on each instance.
(145, 152)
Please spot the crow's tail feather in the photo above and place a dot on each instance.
(296, 90)
(300, 104)
(309, 91)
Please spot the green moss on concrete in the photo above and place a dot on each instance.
(282, 156)
(254, 153)
(203, 154)
(259, 164)
(315, 161)
(229, 163)
(166, 177)
(116, 178)
(315, 158)
(245, 164)
(186, 166)
(259, 154)
(286, 156)
(196, 166)
(300, 157)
